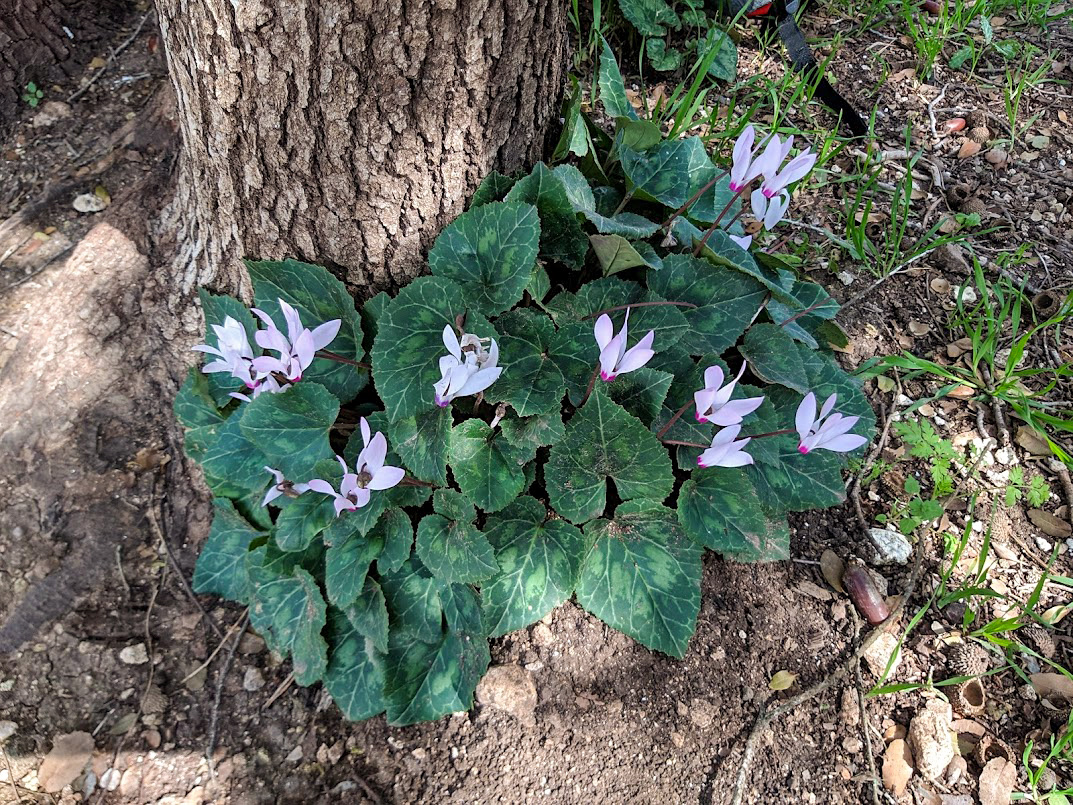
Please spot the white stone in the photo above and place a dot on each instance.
(933, 742)
(7, 729)
(1043, 545)
(891, 546)
(133, 655)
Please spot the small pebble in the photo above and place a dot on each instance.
(253, 680)
(7, 729)
(1043, 545)
(132, 655)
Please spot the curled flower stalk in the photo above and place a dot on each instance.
(370, 474)
(468, 368)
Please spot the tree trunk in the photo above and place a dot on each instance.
(349, 133)
(49, 40)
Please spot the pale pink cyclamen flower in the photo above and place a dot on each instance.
(828, 431)
(296, 349)
(726, 450)
(713, 401)
(468, 369)
(371, 474)
(745, 242)
(282, 487)
(233, 351)
(746, 165)
(615, 359)
(769, 211)
(797, 168)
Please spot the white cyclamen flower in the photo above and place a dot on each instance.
(713, 401)
(726, 450)
(296, 349)
(282, 487)
(467, 369)
(615, 359)
(370, 474)
(827, 431)
(233, 351)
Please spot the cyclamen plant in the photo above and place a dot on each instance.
(518, 447)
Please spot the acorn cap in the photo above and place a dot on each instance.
(968, 659)
(1040, 639)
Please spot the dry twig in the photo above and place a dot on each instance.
(179, 573)
(74, 96)
(210, 745)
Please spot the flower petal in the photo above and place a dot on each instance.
(806, 415)
(450, 340)
(366, 431)
(326, 333)
(373, 456)
(604, 331)
(387, 477)
(713, 377)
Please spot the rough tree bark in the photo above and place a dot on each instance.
(349, 133)
(45, 40)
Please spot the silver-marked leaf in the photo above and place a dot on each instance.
(539, 284)
(194, 406)
(726, 301)
(641, 392)
(725, 64)
(803, 320)
(577, 187)
(493, 187)
(355, 674)
(561, 236)
(371, 313)
(453, 505)
(233, 464)
(289, 612)
(629, 224)
(489, 252)
(368, 614)
(531, 382)
(318, 297)
(773, 356)
(291, 428)
(413, 601)
(454, 550)
(538, 561)
(719, 508)
(649, 17)
(612, 88)
(533, 432)
(603, 442)
(397, 532)
(800, 482)
(722, 251)
(221, 565)
(302, 519)
(486, 466)
(642, 576)
(673, 172)
(421, 442)
(574, 350)
(346, 565)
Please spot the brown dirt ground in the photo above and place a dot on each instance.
(614, 722)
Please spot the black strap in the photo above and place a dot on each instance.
(804, 62)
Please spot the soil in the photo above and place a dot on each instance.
(612, 722)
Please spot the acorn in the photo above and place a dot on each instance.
(990, 748)
(862, 590)
(968, 659)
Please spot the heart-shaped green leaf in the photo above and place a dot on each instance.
(413, 601)
(533, 432)
(489, 252)
(233, 464)
(603, 442)
(397, 532)
(221, 566)
(615, 253)
(561, 236)
(576, 186)
(642, 576)
(421, 441)
(194, 406)
(493, 187)
(486, 466)
(531, 382)
(649, 17)
(302, 519)
(629, 224)
(345, 566)
(773, 356)
(368, 614)
(355, 674)
(726, 301)
(612, 88)
(673, 172)
(800, 482)
(454, 550)
(719, 508)
(289, 612)
(538, 561)
(291, 427)
(641, 392)
(318, 297)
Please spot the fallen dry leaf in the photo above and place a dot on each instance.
(96, 63)
(997, 781)
(918, 327)
(884, 383)
(969, 148)
(1049, 524)
(69, 756)
(832, 567)
(902, 75)
(897, 767)
(782, 680)
(1051, 684)
(961, 392)
(940, 285)
(957, 348)
(1056, 614)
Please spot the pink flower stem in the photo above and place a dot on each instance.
(772, 433)
(408, 481)
(674, 419)
(592, 382)
(331, 356)
(693, 199)
(804, 312)
(637, 304)
(715, 223)
(684, 444)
